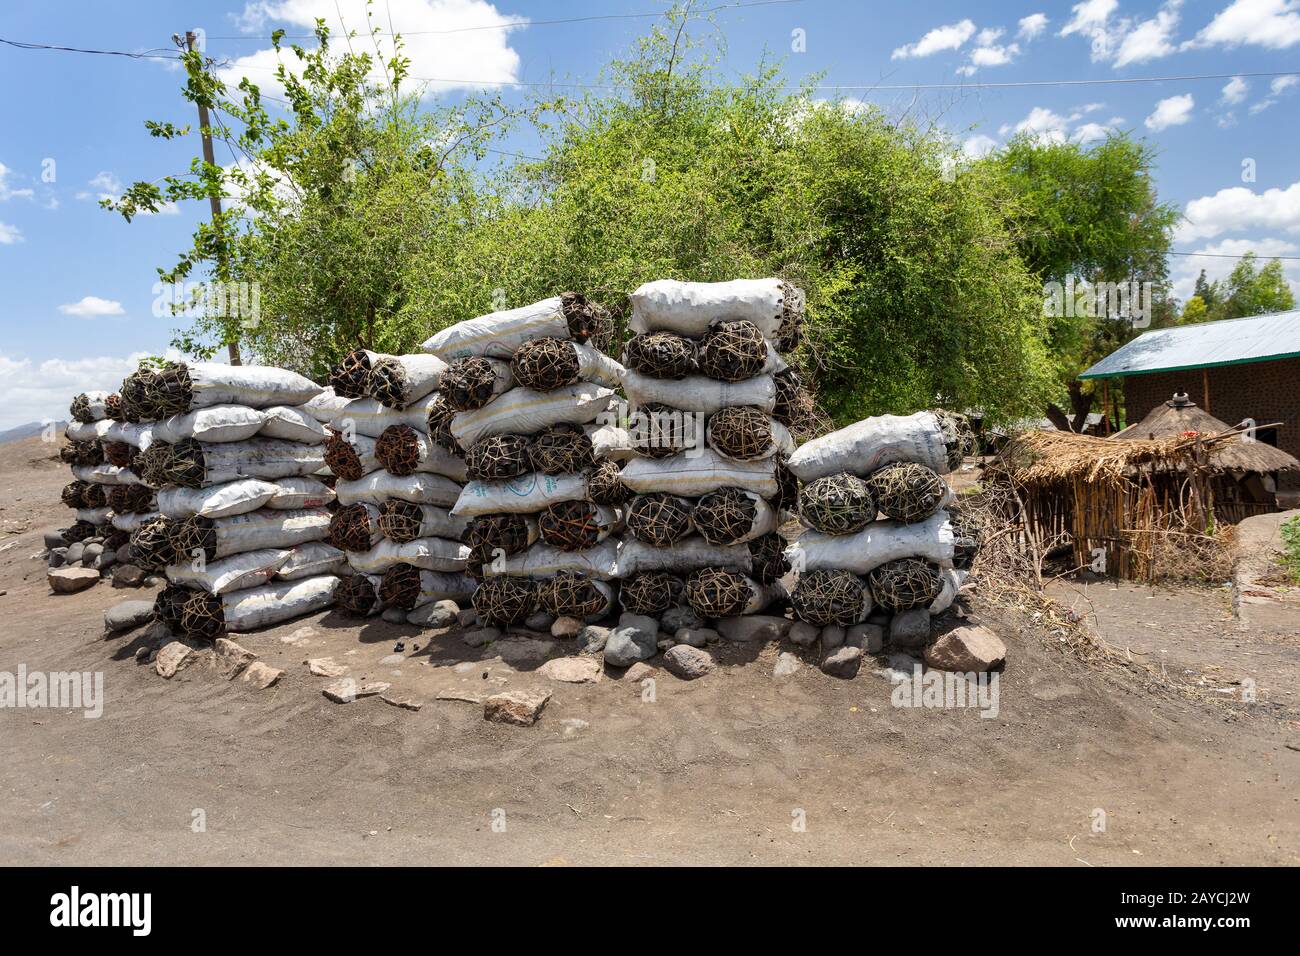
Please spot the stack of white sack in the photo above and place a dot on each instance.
(242, 494)
(533, 406)
(395, 488)
(884, 540)
(709, 423)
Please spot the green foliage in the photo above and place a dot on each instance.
(1291, 547)
(1250, 289)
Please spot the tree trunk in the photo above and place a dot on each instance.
(1080, 404)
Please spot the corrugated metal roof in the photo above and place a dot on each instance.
(1226, 342)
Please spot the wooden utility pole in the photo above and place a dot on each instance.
(209, 157)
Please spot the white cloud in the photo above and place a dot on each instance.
(7, 191)
(1279, 86)
(1044, 125)
(1150, 39)
(1172, 111)
(994, 55)
(1186, 268)
(1124, 40)
(1092, 19)
(105, 181)
(9, 235)
(1235, 90)
(1237, 208)
(1091, 133)
(950, 37)
(31, 391)
(1274, 24)
(92, 305)
(1031, 26)
(109, 187)
(978, 146)
(434, 35)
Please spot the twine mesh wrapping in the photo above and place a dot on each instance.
(136, 402)
(118, 453)
(130, 499)
(356, 595)
(388, 383)
(545, 364)
(400, 586)
(80, 409)
(351, 377)
(505, 600)
(787, 487)
(80, 531)
(969, 530)
(743, 432)
(169, 603)
(570, 594)
(341, 457)
(733, 351)
(659, 519)
(398, 449)
(350, 529)
(440, 416)
(117, 540)
(717, 592)
(793, 402)
(651, 592)
(767, 554)
(724, 516)
(907, 491)
(203, 616)
(837, 504)
(68, 453)
(193, 536)
(507, 533)
(114, 409)
(605, 484)
(584, 319)
(958, 436)
(790, 332)
(658, 431)
(152, 544)
(661, 355)
(179, 464)
(469, 383)
(497, 456)
(73, 492)
(168, 391)
(83, 453)
(569, 525)
(829, 597)
(94, 496)
(906, 583)
(562, 449)
(398, 520)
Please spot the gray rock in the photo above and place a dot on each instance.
(74, 552)
(540, 621)
(394, 615)
(803, 633)
(154, 580)
(971, 647)
(869, 637)
(786, 664)
(573, 670)
(53, 539)
(127, 615)
(910, 630)
(515, 707)
(437, 614)
(665, 643)
(71, 580)
(231, 657)
(696, 636)
(482, 636)
(58, 558)
(676, 618)
(566, 627)
(468, 617)
(754, 627)
(523, 651)
(91, 552)
(843, 662)
(832, 637)
(635, 639)
(592, 638)
(105, 561)
(688, 662)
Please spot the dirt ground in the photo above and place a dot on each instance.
(716, 771)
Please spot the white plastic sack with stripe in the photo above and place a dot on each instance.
(257, 386)
(217, 501)
(523, 495)
(690, 554)
(137, 434)
(544, 561)
(89, 431)
(301, 491)
(687, 308)
(268, 529)
(429, 554)
(266, 458)
(235, 573)
(310, 559)
(876, 544)
(106, 475)
(525, 411)
(498, 334)
(696, 473)
(278, 601)
(864, 446)
(292, 424)
(698, 393)
(377, 487)
(325, 406)
(217, 423)
(365, 416)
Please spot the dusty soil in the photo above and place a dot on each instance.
(710, 772)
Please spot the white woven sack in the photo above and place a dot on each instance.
(301, 491)
(276, 602)
(876, 544)
(420, 488)
(690, 554)
(310, 559)
(699, 393)
(132, 521)
(83, 431)
(257, 386)
(292, 424)
(498, 334)
(97, 404)
(430, 554)
(436, 460)
(543, 561)
(523, 495)
(325, 406)
(365, 416)
(687, 308)
(235, 573)
(138, 435)
(440, 523)
(420, 375)
(864, 446)
(525, 411)
(211, 424)
(95, 516)
(216, 501)
(782, 443)
(105, 475)
(269, 529)
(696, 473)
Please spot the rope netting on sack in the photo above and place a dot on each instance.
(717, 592)
(203, 616)
(94, 496)
(398, 520)
(505, 600)
(545, 364)
(724, 516)
(80, 409)
(130, 499)
(571, 594)
(830, 597)
(113, 407)
(659, 519)
(569, 525)
(440, 417)
(605, 484)
(350, 378)
(356, 594)
(469, 384)
(498, 456)
(73, 492)
(767, 553)
(80, 531)
(388, 383)
(837, 504)
(795, 408)
(959, 437)
(117, 540)
(89, 452)
(561, 449)
(651, 592)
(342, 458)
(787, 486)
(743, 432)
(154, 463)
(969, 528)
(152, 544)
(906, 583)
(508, 533)
(400, 586)
(179, 464)
(659, 431)
(732, 351)
(194, 536)
(169, 604)
(349, 528)
(907, 491)
(790, 332)
(661, 355)
(585, 319)
(135, 407)
(398, 449)
(168, 391)
(119, 453)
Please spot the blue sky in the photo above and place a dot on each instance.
(78, 282)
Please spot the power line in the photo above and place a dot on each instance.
(147, 55)
(1226, 255)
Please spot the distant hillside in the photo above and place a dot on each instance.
(25, 431)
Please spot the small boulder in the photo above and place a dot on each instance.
(971, 647)
(347, 690)
(910, 630)
(869, 637)
(104, 561)
(754, 627)
(515, 707)
(326, 667)
(523, 651)
(127, 615)
(786, 665)
(394, 615)
(231, 658)
(172, 658)
(483, 635)
(468, 617)
(128, 576)
(261, 675)
(803, 633)
(688, 662)
(696, 636)
(53, 538)
(91, 552)
(573, 670)
(437, 615)
(539, 621)
(635, 639)
(676, 618)
(832, 636)
(71, 580)
(57, 558)
(566, 627)
(592, 639)
(638, 672)
(74, 553)
(843, 661)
